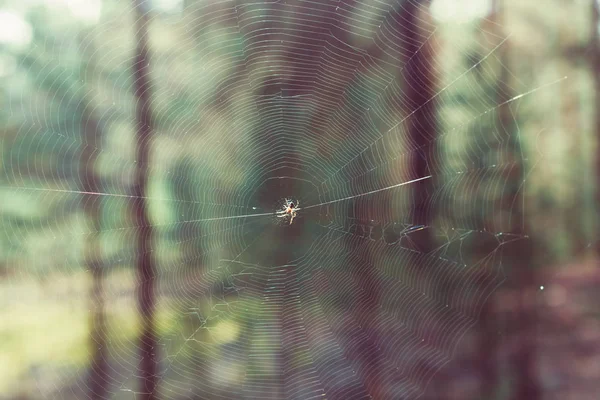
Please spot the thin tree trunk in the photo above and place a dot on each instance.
(99, 378)
(145, 265)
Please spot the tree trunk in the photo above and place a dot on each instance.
(488, 321)
(421, 127)
(99, 378)
(419, 89)
(519, 258)
(145, 266)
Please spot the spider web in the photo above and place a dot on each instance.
(371, 288)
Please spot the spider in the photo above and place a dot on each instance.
(289, 209)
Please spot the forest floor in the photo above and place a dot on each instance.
(45, 346)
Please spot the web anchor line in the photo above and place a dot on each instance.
(104, 194)
(232, 217)
(371, 192)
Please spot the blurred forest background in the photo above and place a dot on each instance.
(138, 138)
